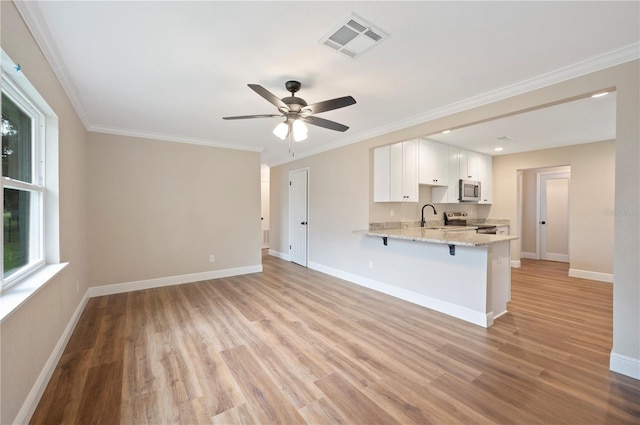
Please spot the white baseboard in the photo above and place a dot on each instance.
(586, 274)
(118, 288)
(33, 398)
(280, 255)
(624, 365)
(516, 264)
(561, 258)
(475, 317)
(529, 255)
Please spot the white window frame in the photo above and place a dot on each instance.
(22, 288)
(36, 188)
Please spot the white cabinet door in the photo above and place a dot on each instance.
(449, 194)
(433, 163)
(468, 164)
(410, 171)
(396, 175)
(395, 172)
(502, 230)
(485, 175)
(381, 174)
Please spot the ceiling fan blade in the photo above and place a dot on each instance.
(320, 122)
(269, 96)
(244, 117)
(329, 105)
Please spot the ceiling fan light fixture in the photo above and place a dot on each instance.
(281, 130)
(296, 112)
(299, 131)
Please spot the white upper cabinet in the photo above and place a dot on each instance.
(395, 175)
(468, 163)
(410, 171)
(449, 194)
(382, 174)
(398, 169)
(433, 163)
(485, 175)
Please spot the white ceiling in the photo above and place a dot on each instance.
(571, 123)
(172, 70)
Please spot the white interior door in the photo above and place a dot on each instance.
(264, 208)
(298, 216)
(554, 217)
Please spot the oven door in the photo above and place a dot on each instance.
(487, 230)
(469, 191)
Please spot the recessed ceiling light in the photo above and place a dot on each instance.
(600, 94)
(498, 149)
(446, 132)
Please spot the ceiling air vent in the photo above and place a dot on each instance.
(353, 37)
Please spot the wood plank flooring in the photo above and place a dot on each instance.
(294, 346)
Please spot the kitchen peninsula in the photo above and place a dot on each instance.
(453, 270)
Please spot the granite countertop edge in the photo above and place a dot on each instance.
(388, 225)
(458, 237)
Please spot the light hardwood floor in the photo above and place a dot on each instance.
(293, 346)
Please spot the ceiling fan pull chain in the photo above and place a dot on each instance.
(290, 139)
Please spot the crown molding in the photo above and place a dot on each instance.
(597, 63)
(30, 12)
(170, 138)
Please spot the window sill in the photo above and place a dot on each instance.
(12, 298)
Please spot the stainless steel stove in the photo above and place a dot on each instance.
(455, 218)
(459, 218)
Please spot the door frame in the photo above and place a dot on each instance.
(539, 178)
(306, 232)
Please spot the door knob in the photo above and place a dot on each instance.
(543, 222)
(304, 223)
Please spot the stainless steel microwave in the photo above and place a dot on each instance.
(469, 191)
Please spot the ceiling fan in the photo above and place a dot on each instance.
(296, 110)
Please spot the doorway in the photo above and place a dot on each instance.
(545, 213)
(298, 216)
(553, 212)
(264, 204)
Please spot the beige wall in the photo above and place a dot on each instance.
(339, 195)
(626, 263)
(28, 336)
(591, 195)
(160, 209)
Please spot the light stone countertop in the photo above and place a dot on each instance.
(460, 236)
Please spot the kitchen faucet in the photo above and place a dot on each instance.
(434, 213)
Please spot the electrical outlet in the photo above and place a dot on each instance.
(392, 212)
(370, 265)
(212, 258)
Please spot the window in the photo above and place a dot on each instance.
(23, 184)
